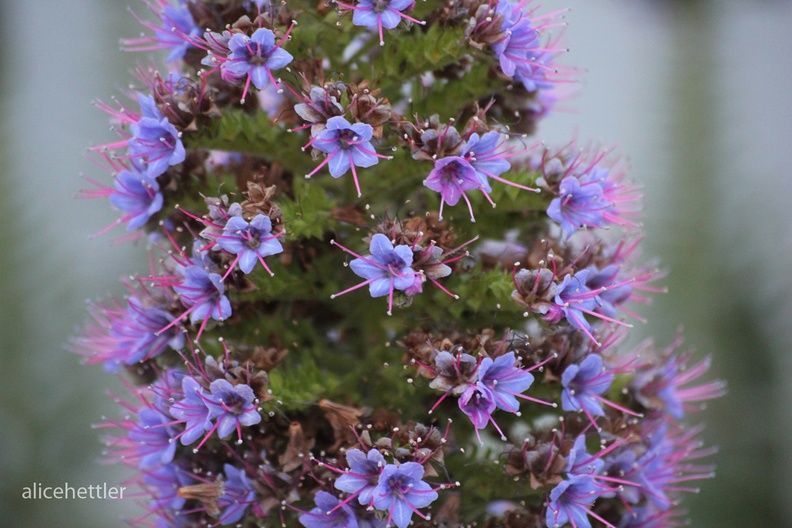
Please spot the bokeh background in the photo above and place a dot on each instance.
(697, 95)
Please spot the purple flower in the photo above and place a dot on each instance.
(401, 492)
(623, 198)
(667, 386)
(176, 26)
(317, 109)
(570, 502)
(166, 481)
(451, 177)
(584, 384)
(362, 476)
(481, 158)
(167, 389)
(177, 22)
(520, 52)
(378, 14)
(613, 292)
(663, 467)
(138, 195)
(238, 494)
(329, 513)
(519, 40)
(153, 438)
(191, 410)
(255, 57)
(155, 139)
(250, 242)
(201, 290)
(573, 298)
(347, 146)
(581, 463)
(624, 466)
(650, 517)
(126, 337)
(577, 205)
(504, 380)
(478, 403)
(482, 152)
(234, 406)
(388, 268)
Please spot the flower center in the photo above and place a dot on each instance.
(232, 402)
(257, 56)
(347, 138)
(251, 239)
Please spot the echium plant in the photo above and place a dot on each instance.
(339, 328)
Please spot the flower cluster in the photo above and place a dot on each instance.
(262, 394)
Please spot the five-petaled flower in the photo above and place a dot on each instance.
(378, 14)
(400, 491)
(238, 494)
(388, 268)
(154, 139)
(329, 513)
(249, 241)
(138, 195)
(361, 478)
(347, 146)
(255, 57)
(451, 177)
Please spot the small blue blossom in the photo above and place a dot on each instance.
(377, 15)
(579, 462)
(317, 108)
(613, 292)
(624, 464)
(519, 40)
(167, 389)
(362, 476)
(255, 57)
(177, 23)
(238, 494)
(505, 381)
(478, 403)
(153, 438)
(191, 410)
(329, 513)
(155, 139)
(129, 336)
(584, 384)
(649, 516)
(570, 502)
(136, 194)
(347, 146)
(666, 386)
(520, 52)
(201, 290)
(166, 480)
(482, 152)
(250, 242)
(174, 32)
(400, 491)
(233, 406)
(451, 177)
(573, 299)
(388, 268)
(578, 205)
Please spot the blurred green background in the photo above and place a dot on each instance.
(696, 94)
